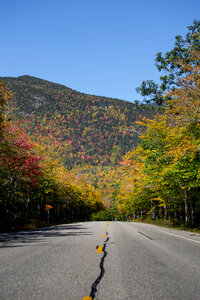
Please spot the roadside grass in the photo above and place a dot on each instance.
(166, 223)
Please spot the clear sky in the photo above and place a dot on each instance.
(99, 47)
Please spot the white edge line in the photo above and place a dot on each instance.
(182, 237)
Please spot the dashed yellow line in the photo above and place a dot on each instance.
(99, 249)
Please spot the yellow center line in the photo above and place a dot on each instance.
(99, 249)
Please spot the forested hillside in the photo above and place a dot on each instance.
(79, 128)
(36, 189)
(48, 126)
(91, 157)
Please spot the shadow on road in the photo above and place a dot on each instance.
(22, 238)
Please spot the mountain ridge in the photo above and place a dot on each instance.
(41, 81)
(79, 128)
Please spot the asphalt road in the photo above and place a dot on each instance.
(73, 261)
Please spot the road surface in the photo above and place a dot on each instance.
(115, 261)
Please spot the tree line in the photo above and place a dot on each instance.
(35, 188)
(162, 174)
(158, 179)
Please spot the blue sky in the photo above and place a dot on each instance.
(99, 47)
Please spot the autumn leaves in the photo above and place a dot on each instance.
(30, 179)
(162, 175)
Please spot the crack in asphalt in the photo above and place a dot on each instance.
(102, 272)
(145, 235)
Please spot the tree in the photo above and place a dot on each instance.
(5, 96)
(32, 180)
(170, 66)
(164, 169)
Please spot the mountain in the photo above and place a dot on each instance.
(77, 127)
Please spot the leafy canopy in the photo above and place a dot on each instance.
(171, 67)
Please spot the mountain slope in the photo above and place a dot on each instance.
(79, 128)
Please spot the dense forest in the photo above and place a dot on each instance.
(162, 174)
(34, 187)
(69, 156)
(79, 128)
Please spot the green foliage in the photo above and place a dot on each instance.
(87, 134)
(170, 66)
(102, 215)
(5, 96)
(80, 129)
(162, 175)
(31, 182)
(107, 215)
(158, 178)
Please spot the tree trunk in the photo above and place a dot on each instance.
(186, 210)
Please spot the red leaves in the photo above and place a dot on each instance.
(23, 144)
(18, 156)
(125, 162)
